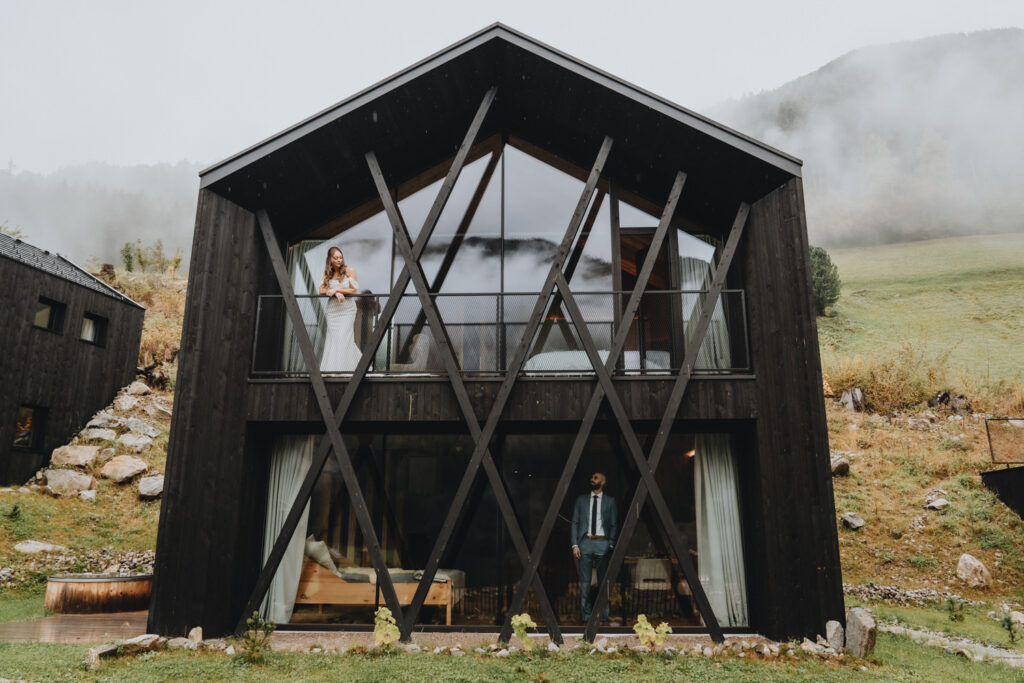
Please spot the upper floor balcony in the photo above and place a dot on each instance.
(484, 330)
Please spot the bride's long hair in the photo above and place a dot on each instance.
(329, 268)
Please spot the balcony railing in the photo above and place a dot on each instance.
(485, 329)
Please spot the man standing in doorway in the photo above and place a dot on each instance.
(595, 523)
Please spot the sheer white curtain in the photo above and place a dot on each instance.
(304, 281)
(719, 538)
(714, 351)
(289, 463)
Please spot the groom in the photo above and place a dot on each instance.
(595, 523)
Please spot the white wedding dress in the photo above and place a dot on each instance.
(340, 351)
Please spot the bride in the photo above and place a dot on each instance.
(339, 284)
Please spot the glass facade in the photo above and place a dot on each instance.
(409, 480)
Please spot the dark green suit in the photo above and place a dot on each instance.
(594, 552)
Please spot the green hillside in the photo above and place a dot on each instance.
(961, 296)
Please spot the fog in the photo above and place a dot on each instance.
(905, 141)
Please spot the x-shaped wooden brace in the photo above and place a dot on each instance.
(647, 468)
(603, 388)
(482, 437)
(326, 443)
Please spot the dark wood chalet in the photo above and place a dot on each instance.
(69, 342)
(558, 274)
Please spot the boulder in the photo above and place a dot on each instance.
(143, 643)
(860, 632)
(155, 409)
(125, 403)
(123, 468)
(87, 495)
(68, 481)
(135, 442)
(853, 399)
(835, 635)
(852, 520)
(134, 424)
(97, 434)
(105, 455)
(937, 504)
(104, 421)
(94, 655)
(181, 644)
(840, 466)
(973, 572)
(1017, 617)
(196, 634)
(151, 487)
(137, 389)
(32, 547)
(75, 456)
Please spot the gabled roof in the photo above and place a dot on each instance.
(56, 265)
(415, 119)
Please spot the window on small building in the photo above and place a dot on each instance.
(49, 315)
(94, 329)
(29, 427)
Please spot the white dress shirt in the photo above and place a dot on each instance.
(600, 523)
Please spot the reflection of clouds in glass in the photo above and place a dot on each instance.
(367, 248)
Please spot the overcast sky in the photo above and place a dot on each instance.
(145, 82)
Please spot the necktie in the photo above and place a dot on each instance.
(593, 515)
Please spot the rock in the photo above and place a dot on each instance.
(135, 442)
(552, 646)
(921, 423)
(937, 504)
(68, 481)
(142, 643)
(1017, 617)
(973, 572)
(94, 655)
(76, 456)
(196, 634)
(87, 495)
(151, 487)
(456, 652)
(136, 425)
(125, 403)
(840, 466)
(853, 399)
(501, 653)
(808, 646)
(707, 652)
(413, 648)
(181, 644)
(137, 389)
(123, 468)
(860, 632)
(98, 434)
(103, 420)
(229, 650)
(105, 455)
(835, 635)
(601, 644)
(32, 547)
(158, 410)
(852, 520)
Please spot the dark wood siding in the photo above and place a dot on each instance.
(794, 550)
(205, 529)
(70, 378)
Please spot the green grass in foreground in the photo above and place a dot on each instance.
(964, 294)
(976, 624)
(896, 658)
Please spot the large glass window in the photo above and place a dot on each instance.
(409, 480)
(29, 427)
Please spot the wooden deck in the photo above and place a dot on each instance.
(76, 628)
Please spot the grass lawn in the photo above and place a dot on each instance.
(896, 658)
(22, 606)
(961, 295)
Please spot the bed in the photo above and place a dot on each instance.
(357, 586)
(577, 361)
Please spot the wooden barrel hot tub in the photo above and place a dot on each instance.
(92, 593)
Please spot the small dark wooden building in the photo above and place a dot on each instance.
(69, 342)
(558, 274)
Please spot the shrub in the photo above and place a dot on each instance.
(825, 281)
(956, 609)
(520, 623)
(255, 641)
(385, 631)
(648, 635)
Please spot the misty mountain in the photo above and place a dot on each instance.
(89, 211)
(904, 141)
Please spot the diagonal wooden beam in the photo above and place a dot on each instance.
(440, 336)
(334, 435)
(481, 455)
(680, 546)
(596, 399)
(674, 401)
(324, 446)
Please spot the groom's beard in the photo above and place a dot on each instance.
(595, 487)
